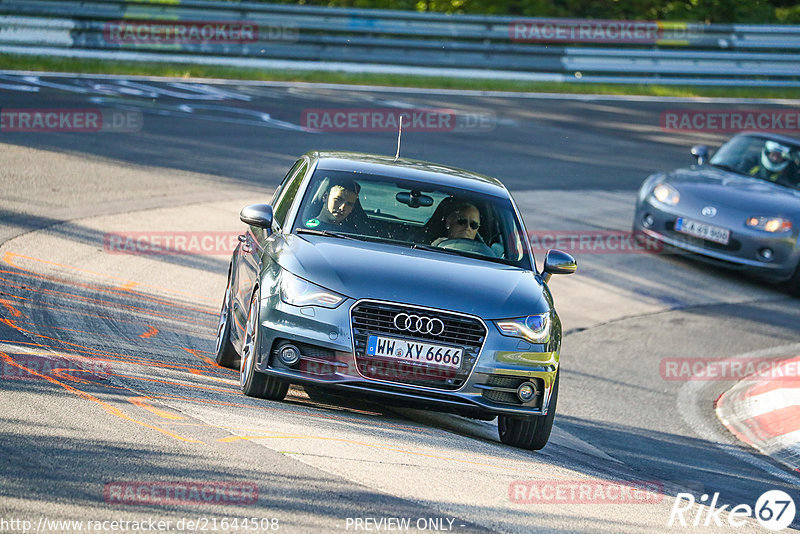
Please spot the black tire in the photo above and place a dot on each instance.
(793, 284)
(226, 355)
(530, 433)
(253, 383)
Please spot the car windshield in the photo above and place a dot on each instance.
(413, 214)
(762, 158)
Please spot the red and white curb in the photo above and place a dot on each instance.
(764, 412)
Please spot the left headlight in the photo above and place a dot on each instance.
(534, 328)
(666, 194)
(299, 292)
(769, 224)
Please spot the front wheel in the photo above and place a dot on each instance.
(530, 433)
(793, 284)
(253, 383)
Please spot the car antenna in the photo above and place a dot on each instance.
(399, 133)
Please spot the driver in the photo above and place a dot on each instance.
(339, 201)
(462, 222)
(773, 165)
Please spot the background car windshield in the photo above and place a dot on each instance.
(742, 154)
(409, 212)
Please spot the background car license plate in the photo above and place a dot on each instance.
(703, 230)
(415, 351)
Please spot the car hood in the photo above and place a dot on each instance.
(711, 186)
(360, 269)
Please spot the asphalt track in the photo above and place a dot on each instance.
(107, 379)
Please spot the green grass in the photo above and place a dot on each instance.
(90, 66)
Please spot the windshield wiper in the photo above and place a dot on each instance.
(326, 233)
(463, 253)
(422, 246)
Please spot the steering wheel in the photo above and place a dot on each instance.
(468, 245)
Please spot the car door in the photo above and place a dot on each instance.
(252, 243)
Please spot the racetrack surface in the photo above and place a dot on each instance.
(108, 384)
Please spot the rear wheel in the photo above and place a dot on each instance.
(253, 383)
(226, 355)
(530, 433)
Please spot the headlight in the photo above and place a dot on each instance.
(769, 224)
(666, 194)
(299, 292)
(534, 328)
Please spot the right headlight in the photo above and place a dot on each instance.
(299, 292)
(769, 224)
(666, 194)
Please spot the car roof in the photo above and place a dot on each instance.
(773, 136)
(411, 169)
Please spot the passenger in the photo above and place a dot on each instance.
(462, 222)
(775, 165)
(338, 204)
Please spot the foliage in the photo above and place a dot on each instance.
(720, 11)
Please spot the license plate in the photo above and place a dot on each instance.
(703, 230)
(414, 351)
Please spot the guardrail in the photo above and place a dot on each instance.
(333, 38)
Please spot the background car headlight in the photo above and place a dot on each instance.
(534, 328)
(769, 224)
(666, 194)
(299, 292)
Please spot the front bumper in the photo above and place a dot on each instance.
(742, 251)
(326, 343)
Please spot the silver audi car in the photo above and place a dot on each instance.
(409, 282)
(739, 208)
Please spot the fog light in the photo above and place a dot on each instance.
(289, 355)
(648, 220)
(766, 254)
(526, 391)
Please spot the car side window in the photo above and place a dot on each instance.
(286, 180)
(287, 193)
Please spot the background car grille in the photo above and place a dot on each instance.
(378, 318)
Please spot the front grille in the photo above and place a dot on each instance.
(377, 318)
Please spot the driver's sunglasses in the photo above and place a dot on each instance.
(472, 224)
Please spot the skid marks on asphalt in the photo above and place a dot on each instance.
(145, 340)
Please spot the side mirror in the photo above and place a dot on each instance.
(700, 152)
(259, 215)
(558, 262)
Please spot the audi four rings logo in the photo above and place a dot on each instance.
(417, 324)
